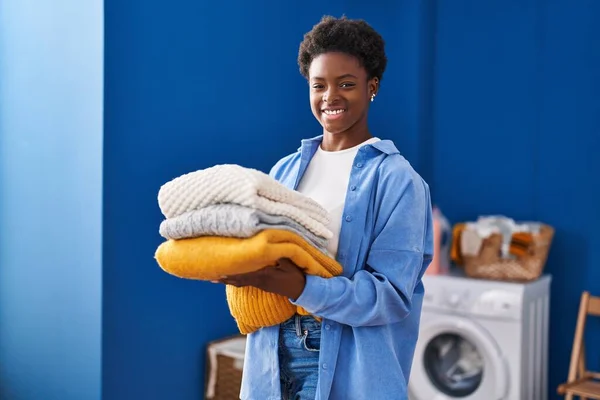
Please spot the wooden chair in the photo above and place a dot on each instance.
(582, 383)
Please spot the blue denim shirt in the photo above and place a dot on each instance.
(371, 313)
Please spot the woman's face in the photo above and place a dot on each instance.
(340, 92)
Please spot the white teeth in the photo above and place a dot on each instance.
(333, 112)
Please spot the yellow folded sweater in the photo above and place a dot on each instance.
(210, 257)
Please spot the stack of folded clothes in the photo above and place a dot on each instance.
(228, 220)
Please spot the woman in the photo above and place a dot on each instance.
(363, 343)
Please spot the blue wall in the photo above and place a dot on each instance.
(517, 129)
(495, 103)
(51, 73)
(477, 96)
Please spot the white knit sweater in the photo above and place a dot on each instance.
(229, 183)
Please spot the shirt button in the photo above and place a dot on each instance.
(353, 188)
(359, 165)
(327, 327)
(348, 218)
(324, 366)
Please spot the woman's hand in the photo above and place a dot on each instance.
(285, 279)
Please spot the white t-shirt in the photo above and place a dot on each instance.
(326, 181)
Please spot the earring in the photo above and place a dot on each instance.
(373, 97)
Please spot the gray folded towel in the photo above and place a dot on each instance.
(232, 220)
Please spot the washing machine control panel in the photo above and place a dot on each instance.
(492, 303)
(498, 303)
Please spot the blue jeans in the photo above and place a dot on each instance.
(299, 345)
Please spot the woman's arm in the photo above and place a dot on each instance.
(382, 292)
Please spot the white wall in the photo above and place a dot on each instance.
(51, 95)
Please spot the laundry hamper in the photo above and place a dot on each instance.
(525, 265)
(224, 363)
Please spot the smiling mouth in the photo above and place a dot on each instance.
(334, 112)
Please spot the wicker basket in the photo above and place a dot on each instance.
(224, 362)
(489, 263)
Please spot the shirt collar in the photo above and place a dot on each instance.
(384, 146)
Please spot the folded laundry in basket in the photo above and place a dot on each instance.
(515, 239)
(470, 242)
(455, 248)
(210, 257)
(520, 243)
(248, 187)
(232, 220)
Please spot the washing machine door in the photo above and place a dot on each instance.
(455, 358)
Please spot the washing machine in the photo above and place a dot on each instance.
(482, 340)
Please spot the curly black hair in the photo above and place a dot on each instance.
(353, 37)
